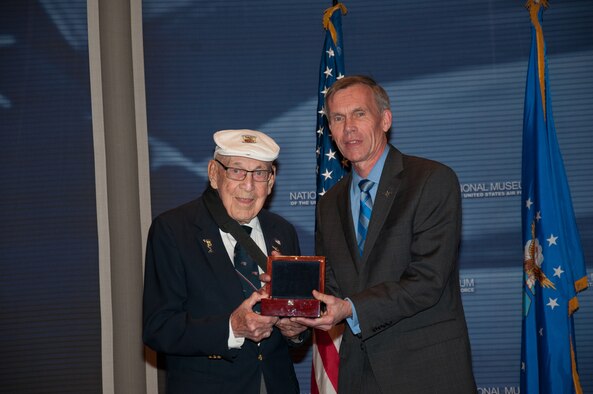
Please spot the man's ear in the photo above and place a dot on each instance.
(272, 180)
(387, 118)
(213, 174)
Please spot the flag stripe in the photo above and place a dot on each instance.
(329, 353)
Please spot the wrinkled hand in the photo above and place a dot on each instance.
(248, 324)
(265, 278)
(289, 328)
(335, 312)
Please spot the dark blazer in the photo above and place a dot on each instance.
(406, 285)
(190, 290)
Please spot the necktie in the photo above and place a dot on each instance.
(366, 207)
(246, 268)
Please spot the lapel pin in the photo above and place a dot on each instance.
(208, 244)
(276, 245)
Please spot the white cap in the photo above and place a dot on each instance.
(246, 143)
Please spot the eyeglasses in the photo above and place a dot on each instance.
(238, 174)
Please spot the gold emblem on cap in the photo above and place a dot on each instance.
(249, 139)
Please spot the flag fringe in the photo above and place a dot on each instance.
(573, 305)
(575, 374)
(534, 6)
(579, 286)
(327, 23)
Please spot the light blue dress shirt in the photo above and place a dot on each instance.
(375, 176)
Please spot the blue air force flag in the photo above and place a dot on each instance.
(554, 266)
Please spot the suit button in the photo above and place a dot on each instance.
(260, 357)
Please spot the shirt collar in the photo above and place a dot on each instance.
(376, 171)
(255, 225)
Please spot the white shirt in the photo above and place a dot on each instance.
(229, 244)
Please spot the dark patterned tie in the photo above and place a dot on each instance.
(246, 267)
(366, 207)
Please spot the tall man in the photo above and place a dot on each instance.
(198, 299)
(390, 231)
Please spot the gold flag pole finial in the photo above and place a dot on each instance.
(327, 23)
(534, 6)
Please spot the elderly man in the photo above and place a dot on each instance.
(200, 284)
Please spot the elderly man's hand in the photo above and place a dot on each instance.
(289, 328)
(248, 324)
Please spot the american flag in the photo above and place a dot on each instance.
(554, 264)
(330, 169)
(330, 164)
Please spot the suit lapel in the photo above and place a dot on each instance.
(268, 227)
(207, 236)
(346, 223)
(386, 192)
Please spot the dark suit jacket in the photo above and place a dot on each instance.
(190, 290)
(406, 285)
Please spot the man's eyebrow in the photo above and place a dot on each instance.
(357, 109)
(241, 166)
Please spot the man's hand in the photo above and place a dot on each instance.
(289, 328)
(266, 278)
(248, 324)
(336, 311)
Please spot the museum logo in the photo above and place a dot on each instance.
(303, 198)
(491, 189)
(467, 285)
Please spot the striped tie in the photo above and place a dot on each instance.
(366, 207)
(246, 268)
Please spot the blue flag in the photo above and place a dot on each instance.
(554, 265)
(330, 164)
